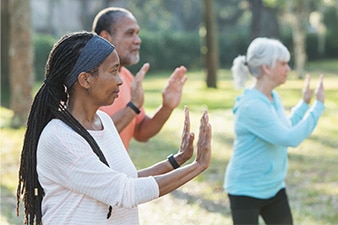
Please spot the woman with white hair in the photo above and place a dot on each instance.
(255, 175)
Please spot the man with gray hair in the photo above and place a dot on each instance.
(120, 27)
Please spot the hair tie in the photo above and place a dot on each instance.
(246, 62)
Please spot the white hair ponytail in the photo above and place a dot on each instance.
(240, 71)
(261, 51)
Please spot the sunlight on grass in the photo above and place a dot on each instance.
(5, 116)
(312, 180)
(307, 169)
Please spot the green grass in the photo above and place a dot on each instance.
(312, 180)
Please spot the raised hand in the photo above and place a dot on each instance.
(320, 93)
(170, 181)
(307, 92)
(203, 155)
(137, 92)
(172, 93)
(187, 146)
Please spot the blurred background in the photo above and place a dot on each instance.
(205, 36)
(200, 34)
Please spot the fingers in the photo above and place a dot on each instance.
(172, 92)
(320, 94)
(187, 143)
(179, 75)
(136, 92)
(142, 72)
(186, 129)
(204, 138)
(205, 127)
(320, 84)
(307, 82)
(307, 92)
(203, 156)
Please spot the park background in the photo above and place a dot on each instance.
(177, 33)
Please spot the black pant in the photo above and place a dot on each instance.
(275, 210)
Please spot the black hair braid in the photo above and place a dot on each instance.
(49, 103)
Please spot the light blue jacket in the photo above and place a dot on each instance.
(263, 132)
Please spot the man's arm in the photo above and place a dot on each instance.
(171, 95)
(123, 117)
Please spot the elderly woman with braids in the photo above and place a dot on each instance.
(257, 169)
(74, 166)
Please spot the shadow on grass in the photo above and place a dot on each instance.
(325, 140)
(313, 187)
(207, 190)
(209, 205)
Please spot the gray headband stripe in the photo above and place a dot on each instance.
(92, 55)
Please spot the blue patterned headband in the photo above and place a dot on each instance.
(92, 55)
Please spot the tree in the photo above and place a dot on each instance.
(21, 60)
(297, 15)
(85, 15)
(264, 21)
(4, 53)
(211, 53)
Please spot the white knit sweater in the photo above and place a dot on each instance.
(78, 187)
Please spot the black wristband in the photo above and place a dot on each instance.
(133, 107)
(173, 162)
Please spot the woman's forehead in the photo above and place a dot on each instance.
(111, 61)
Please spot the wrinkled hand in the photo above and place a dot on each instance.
(320, 93)
(203, 155)
(307, 92)
(187, 146)
(136, 91)
(172, 93)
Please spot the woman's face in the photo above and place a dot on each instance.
(105, 87)
(281, 71)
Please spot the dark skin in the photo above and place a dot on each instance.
(93, 91)
(127, 41)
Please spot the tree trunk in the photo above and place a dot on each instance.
(4, 53)
(211, 44)
(264, 21)
(297, 16)
(21, 61)
(86, 15)
(298, 36)
(256, 12)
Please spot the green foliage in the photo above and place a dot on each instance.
(42, 46)
(232, 44)
(331, 20)
(168, 50)
(169, 32)
(165, 51)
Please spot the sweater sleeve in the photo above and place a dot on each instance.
(298, 112)
(92, 178)
(67, 160)
(259, 118)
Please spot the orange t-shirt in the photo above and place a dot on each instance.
(119, 103)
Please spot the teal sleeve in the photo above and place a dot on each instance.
(298, 112)
(262, 120)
